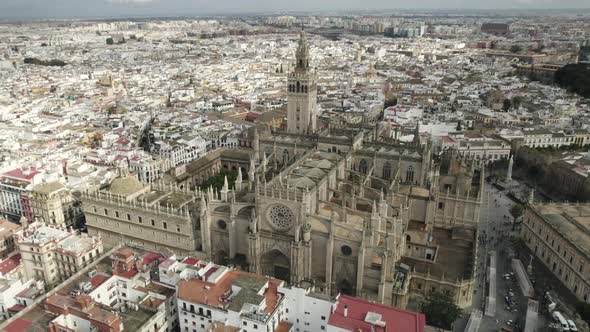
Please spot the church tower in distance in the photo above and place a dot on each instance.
(302, 93)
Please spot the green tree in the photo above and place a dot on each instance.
(506, 105)
(440, 310)
(110, 41)
(584, 310)
(217, 181)
(516, 101)
(516, 211)
(515, 49)
(574, 78)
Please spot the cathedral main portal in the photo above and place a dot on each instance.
(276, 264)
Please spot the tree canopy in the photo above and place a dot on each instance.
(218, 180)
(440, 310)
(516, 210)
(584, 310)
(575, 78)
(506, 105)
(515, 49)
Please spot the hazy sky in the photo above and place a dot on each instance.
(95, 8)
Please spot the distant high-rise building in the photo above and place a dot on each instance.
(495, 28)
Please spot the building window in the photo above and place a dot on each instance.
(387, 170)
(363, 165)
(221, 224)
(165, 225)
(106, 212)
(153, 222)
(410, 174)
(346, 250)
(117, 214)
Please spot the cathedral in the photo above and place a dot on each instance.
(337, 208)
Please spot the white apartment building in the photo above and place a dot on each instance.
(477, 148)
(178, 153)
(149, 170)
(9, 289)
(214, 297)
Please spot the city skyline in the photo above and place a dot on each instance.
(56, 9)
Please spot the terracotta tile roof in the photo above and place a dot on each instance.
(18, 325)
(213, 294)
(395, 319)
(98, 280)
(10, 263)
(21, 174)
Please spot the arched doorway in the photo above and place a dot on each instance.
(275, 263)
(344, 287)
(221, 257)
(363, 165)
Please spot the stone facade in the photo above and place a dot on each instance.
(144, 215)
(558, 234)
(54, 204)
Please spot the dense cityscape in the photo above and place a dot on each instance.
(406, 171)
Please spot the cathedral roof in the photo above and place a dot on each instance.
(125, 186)
(301, 182)
(310, 172)
(323, 163)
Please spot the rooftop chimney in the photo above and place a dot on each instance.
(345, 310)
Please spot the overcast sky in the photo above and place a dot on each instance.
(97, 8)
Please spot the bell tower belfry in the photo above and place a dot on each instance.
(302, 93)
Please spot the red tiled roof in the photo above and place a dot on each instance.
(123, 141)
(395, 319)
(151, 257)
(447, 139)
(16, 308)
(128, 274)
(18, 325)
(20, 174)
(190, 261)
(209, 272)
(98, 280)
(10, 263)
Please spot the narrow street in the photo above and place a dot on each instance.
(495, 232)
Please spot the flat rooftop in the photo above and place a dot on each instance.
(572, 221)
(245, 290)
(42, 234)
